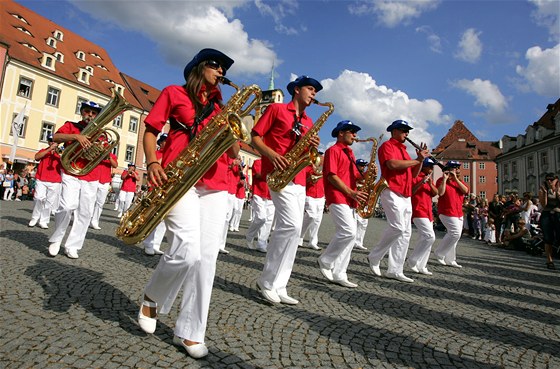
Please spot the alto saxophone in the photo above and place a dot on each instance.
(79, 161)
(301, 155)
(368, 185)
(223, 130)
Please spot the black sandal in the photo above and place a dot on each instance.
(550, 265)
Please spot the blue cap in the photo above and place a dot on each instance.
(361, 162)
(208, 54)
(453, 164)
(162, 138)
(303, 81)
(49, 138)
(399, 124)
(90, 104)
(344, 125)
(131, 165)
(428, 162)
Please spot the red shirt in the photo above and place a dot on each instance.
(49, 168)
(275, 128)
(315, 190)
(173, 102)
(129, 182)
(340, 160)
(260, 187)
(104, 170)
(76, 128)
(451, 202)
(422, 199)
(400, 181)
(240, 190)
(233, 176)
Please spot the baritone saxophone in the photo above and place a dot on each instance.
(222, 131)
(368, 185)
(301, 155)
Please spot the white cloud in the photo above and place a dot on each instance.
(180, 29)
(392, 13)
(542, 72)
(487, 95)
(547, 14)
(359, 98)
(278, 11)
(433, 40)
(470, 46)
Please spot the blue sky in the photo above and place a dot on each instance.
(493, 64)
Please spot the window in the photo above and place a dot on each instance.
(24, 89)
(53, 96)
(51, 42)
(133, 125)
(58, 35)
(506, 169)
(22, 128)
(466, 179)
(544, 159)
(481, 165)
(482, 194)
(118, 121)
(530, 162)
(46, 130)
(465, 165)
(84, 77)
(81, 55)
(482, 179)
(79, 104)
(129, 154)
(115, 150)
(59, 56)
(514, 168)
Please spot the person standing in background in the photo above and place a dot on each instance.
(362, 223)
(314, 204)
(129, 178)
(262, 208)
(105, 169)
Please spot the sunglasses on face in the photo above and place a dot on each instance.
(212, 64)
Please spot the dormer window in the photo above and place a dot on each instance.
(84, 77)
(119, 89)
(59, 35)
(24, 30)
(59, 57)
(81, 55)
(96, 55)
(101, 66)
(17, 16)
(51, 42)
(30, 46)
(48, 61)
(90, 69)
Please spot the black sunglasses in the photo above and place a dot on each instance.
(215, 65)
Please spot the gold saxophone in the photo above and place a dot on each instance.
(79, 161)
(368, 185)
(301, 155)
(223, 130)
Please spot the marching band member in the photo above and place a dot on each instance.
(276, 132)
(104, 168)
(238, 204)
(398, 169)
(262, 209)
(47, 185)
(189, 265)
(232, 174)
(423, 190)
(451, 191)
(78, 193)
(130, 178)
(314, 204)
(342, 196)
(362, 223)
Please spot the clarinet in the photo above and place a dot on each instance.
(417, 147)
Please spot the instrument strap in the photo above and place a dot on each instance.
(352, 162)
(204, 113)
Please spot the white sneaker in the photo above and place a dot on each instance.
(414, 268)
(72, 254)
(441, 260)
(399, 277)
(269, 295)
(314, 247)
(426, 271)
(158, 252)
(455, 265)
(32, 223)
(54, 248)
(325, 271)
(95, 227)
(224, 251)
(375, 268)
(119, 215)
(345, 283)
(285, 299)
(251, 244)
(43, 226)
(360, 247)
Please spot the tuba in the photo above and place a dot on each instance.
(222, 131)
(301, 155)
(79, 161)
(372, 188)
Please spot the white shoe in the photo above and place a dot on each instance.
(285, 299)
(96, 227)
(314, 247)
(119, 215)
(399, 277)
(375, 268)
(414, 268)
(251, 244)
(32, 223)
(325, 271)
(18, 200)
(195, 351)
(54, 248)
(147, 324)
(149, 252)
(360, 247)
(345, 283)
(72, 254)
(158, 252)
(261, 249)
(224, 251)
(455, 265)
(43, 226)
(269, 295)
(425, 271)
(441, 260)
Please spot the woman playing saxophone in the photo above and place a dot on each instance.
(189, 264)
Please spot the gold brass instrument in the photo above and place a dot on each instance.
(417, 147)
(301, 155)
(79, 161)
(223, 130)
(368, 185)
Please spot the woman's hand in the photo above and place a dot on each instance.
(156, 174)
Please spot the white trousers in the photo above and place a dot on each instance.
(448, 246)
(101, 196)
(237, 212)
(228, 215)
(154, 239)
(312, 217)
(426, 237)
(8, 193)
(337, 254)
(76, 197)
(263, 214)
(190, 262)
(125, 200)
(396, 235)
(362, 224)
(282, 249)
(46, 199)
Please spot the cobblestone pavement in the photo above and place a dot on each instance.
(500, 311)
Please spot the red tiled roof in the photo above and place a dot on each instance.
(144, 93)
(460, 144)
(457, 132)
(16, 19)
(547, 120)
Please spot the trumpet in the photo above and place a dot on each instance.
(418, 147)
